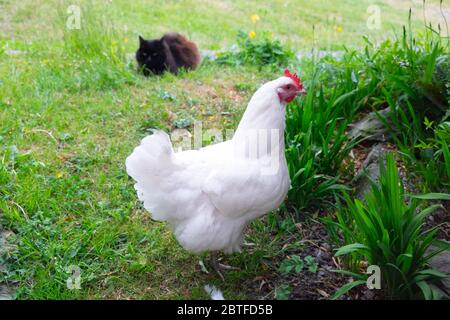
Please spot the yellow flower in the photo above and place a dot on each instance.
(59, 174)
(338, 29)
(125, 40)
(252, 34)
(255, 18)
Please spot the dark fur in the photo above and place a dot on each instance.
(170, 53)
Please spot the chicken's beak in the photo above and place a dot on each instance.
(302, 91)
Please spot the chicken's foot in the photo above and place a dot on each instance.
(218, 267)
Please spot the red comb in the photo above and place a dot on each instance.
(294, 77)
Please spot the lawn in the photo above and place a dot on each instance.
(73, 107)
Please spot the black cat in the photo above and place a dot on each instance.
(170, 53)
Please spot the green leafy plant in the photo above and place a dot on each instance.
(283, 292)
(434, 162)
(312, 264)
(261, 51)
(316, 141)
(387, 230)
(413, 76)
(297, 264)
(294, 263)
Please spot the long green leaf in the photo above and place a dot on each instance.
(349, 249)
(433, 196)
(346, 288)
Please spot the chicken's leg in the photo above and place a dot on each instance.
(217, 266)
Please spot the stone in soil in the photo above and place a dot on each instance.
(441, 263)
(5, 291)
(371, 127)
(370, 169)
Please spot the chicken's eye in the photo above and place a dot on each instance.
(288, 87)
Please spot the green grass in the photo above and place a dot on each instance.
(387, 231)
(215, 24)
(70, 114)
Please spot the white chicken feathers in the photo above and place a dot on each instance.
(208, 196)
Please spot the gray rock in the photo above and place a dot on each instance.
(441, 263)
(364, 182)
(370, 170)
(371, 127)
(6, 292)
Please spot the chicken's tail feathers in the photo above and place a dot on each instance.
(149, 165)
(213, 292)
(152, 150)
(160, 140)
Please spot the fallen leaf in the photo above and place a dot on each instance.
(323, 293)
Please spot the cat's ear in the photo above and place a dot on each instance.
(141, 40)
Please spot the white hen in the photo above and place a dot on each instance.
(208, 196)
